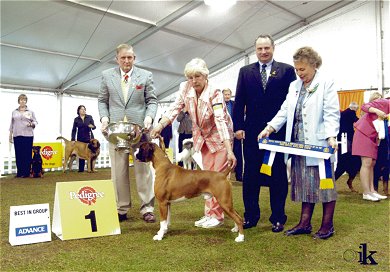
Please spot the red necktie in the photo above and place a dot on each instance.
(125, 78)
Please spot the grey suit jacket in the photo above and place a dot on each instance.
(141, 98)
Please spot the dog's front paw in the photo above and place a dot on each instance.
(240, 238)
(157, 237)
(235, 229)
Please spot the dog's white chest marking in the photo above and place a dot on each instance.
(207, 196)
(178, 199)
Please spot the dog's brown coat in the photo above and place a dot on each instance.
(87, 151)
(173, 182)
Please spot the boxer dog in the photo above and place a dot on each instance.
(36, 163)
(87, 151)
(174, 183)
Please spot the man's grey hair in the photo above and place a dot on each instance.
(354, 106)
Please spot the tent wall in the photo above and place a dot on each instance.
(352, 42)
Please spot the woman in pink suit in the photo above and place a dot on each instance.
(365, 143)
(212, 128)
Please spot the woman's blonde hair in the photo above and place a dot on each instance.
(196, 65)
(374, 95)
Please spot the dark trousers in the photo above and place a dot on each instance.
(381, 167)
(237, 150)
(183, 136)
(253, 180)
(81, 161)
(23, 154)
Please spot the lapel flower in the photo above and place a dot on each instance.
(273, 74)
(312, 90)
(139, 87)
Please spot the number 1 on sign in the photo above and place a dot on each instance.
(91, 216)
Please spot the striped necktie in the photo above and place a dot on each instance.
(125, 86)
(263, 75)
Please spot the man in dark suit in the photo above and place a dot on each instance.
(346, 162)
(261, 89)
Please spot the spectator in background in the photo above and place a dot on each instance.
(227, 95)
(184, 129)
(166, 133)
(312, 127)
(237, 147)
(261, 89)
(21, 133)
(346, 162)
(365, 143)
(82, 130)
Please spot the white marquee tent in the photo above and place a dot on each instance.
(55, 50)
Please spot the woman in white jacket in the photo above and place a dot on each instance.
(311, 114)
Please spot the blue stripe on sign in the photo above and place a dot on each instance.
(328, 169)
(31, 230)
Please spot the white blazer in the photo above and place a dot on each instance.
(320, 113)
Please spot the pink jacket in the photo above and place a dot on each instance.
(211, 124)
(365, 124)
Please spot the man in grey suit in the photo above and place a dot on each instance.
(127, 92)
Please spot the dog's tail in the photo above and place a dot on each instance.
(62, 138)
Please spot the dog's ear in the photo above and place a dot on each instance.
(97, 143)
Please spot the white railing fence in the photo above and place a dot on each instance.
(8, 162)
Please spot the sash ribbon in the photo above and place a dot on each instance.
(321, 152)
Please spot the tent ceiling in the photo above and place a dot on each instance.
(65, 45)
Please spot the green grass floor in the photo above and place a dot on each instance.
(187, 248)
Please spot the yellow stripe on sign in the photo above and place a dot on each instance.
(266, 169)
(326, 183)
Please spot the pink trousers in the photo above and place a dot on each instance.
(215, 162)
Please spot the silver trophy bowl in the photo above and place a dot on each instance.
(124, 135)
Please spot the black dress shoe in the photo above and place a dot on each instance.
(278, 227)
(325, 235)
(298, 231)
(122, 217)
(249, 224)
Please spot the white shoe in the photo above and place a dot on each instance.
(370, 197)
(375, 194)
(201, 221)
(212, 223)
